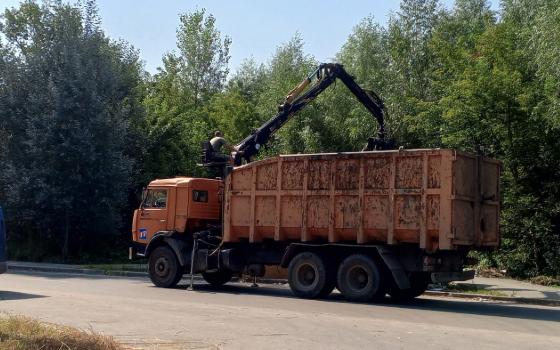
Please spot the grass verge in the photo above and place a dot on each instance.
(19, 333)
(119, 267)
(472, 288)
(546, 281)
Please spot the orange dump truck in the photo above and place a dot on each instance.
(367, 223)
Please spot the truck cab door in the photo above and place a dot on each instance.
(153, 214)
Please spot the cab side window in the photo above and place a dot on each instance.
(155, 199)
(200, 196)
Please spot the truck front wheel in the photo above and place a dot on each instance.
(217, 278)
(308, 276)
(360, 279)
(164, 268)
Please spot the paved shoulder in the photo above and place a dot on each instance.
(268, 317)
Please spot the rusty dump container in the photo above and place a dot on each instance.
(431, 198)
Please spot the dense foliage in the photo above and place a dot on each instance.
(70, 104)
(83, 127)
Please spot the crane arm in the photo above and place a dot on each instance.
(299, 97)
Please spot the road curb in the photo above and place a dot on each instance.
(116, 273)
(73, 270)
(518, 300)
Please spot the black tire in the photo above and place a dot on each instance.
(359, 278)
(164, 268)
(418, 285)
(330, 283)
(308, 276)
(217, 278)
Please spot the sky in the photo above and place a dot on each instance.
(256, 28)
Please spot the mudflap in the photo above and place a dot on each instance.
(393, 264)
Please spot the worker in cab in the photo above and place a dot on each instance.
(219, 144)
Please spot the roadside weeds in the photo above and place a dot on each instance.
(20, 332)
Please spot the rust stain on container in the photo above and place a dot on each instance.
(377, 173)
(433, 198)
(319, 175)
(266, 177)
(292, 175)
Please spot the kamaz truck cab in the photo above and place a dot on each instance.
(172, 207)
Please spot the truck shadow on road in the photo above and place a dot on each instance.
(496, 309)
(9, 295)
(508, 310)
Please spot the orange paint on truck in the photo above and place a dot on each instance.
(190, 204)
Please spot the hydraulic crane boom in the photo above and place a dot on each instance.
(297, 99)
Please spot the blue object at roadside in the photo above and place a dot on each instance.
(3, 257)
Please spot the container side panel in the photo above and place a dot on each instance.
(433, 213)
(408, 173)
(445, 201)
(408, 211)
(240, 217)
(265, 217)
(346, 177)
(432, 221)
(376, 212)
(226, 221)
(347, 217)
(434, 165)
(490, 176)
(463, 221)
(377, 172)
(292, 175)
(241, 179)
(318, 215)
(435, 199)
(291, 219)
(464, 174)
(266, 176)
(319, 174)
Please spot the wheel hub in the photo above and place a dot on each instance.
(358, 278)
(307, 275)
(162, 267)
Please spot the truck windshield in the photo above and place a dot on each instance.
(155, 198)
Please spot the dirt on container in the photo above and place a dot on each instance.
(435, 199)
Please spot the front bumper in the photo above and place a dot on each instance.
(443, 277)
(136, 250)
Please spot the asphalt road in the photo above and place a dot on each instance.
(268, 317)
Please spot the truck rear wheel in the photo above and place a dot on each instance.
(217, 278)
(164, 268)
(308, 276)
(359, 278)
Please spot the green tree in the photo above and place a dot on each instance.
(178, 97)
(70, 101)
(203, 57)
(491, 96)
(366, 56)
